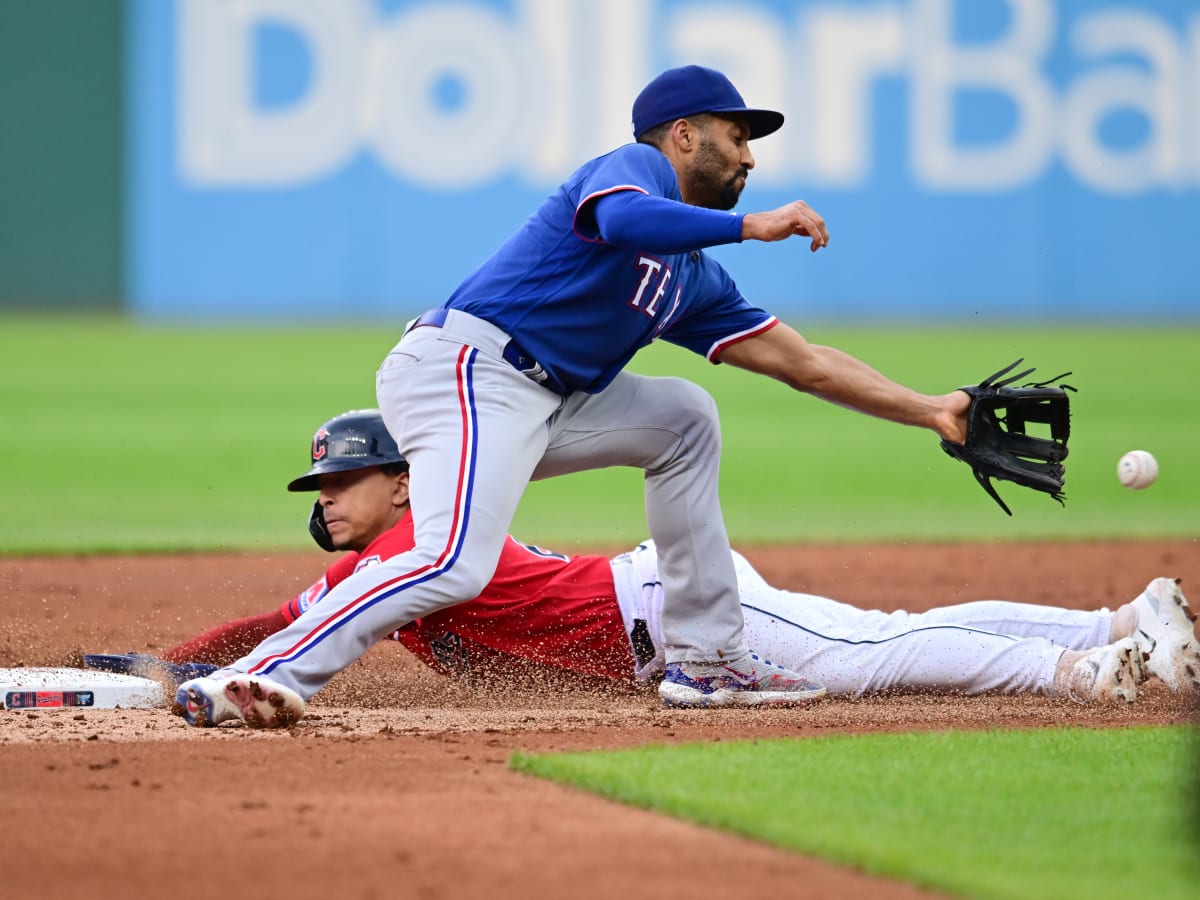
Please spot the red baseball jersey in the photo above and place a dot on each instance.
(567, 603)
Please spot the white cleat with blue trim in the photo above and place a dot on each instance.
(254, 700)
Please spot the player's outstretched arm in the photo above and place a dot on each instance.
(795, 218)
(826, 372)
(223, 644)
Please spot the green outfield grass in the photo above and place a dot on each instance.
(1048, 813)
(142, 438)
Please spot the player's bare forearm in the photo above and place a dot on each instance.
(841, 379)
(795, 218)
(835, 376)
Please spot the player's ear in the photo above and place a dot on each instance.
(683, 134)
(400, 494)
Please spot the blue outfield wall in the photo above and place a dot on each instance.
(974, 158)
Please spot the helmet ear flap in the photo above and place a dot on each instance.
(318, 530)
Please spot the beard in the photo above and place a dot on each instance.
(707, 181)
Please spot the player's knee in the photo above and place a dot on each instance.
(695, 414)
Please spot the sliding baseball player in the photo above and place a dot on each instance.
(544, 612)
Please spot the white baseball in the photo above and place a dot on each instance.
(1137, 469)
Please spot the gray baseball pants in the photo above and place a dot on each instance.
(476, 432)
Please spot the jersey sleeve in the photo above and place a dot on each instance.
(634, 219)
(338, 572)
(633, 167)
(720, 317)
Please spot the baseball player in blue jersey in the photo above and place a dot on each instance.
(520, 375)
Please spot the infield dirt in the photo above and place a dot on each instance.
(395, 784)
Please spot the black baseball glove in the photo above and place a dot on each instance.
(997, 445)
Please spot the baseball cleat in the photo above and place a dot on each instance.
(1111, 673)
(256, 701)
(1165, 632)
(750, 681)
(144, 665)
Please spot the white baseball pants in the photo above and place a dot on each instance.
(982, 646)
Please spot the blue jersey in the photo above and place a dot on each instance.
(582, 307)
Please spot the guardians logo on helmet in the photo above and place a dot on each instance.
(320, 444)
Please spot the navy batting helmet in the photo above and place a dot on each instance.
(354, 440)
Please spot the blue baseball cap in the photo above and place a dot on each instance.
(691, 90)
